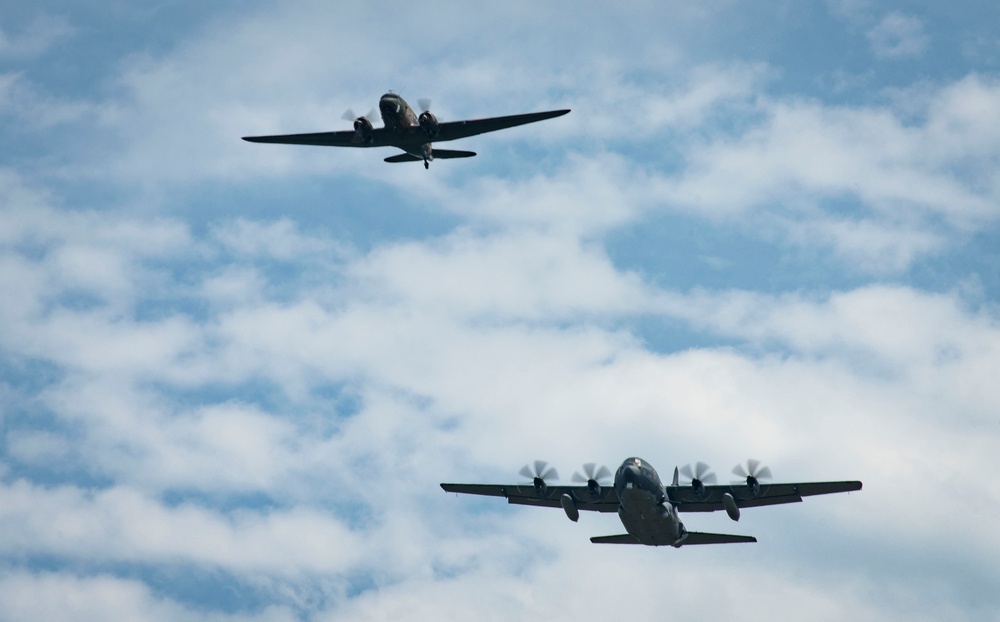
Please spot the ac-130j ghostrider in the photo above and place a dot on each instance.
(405, 130)
(648, 509)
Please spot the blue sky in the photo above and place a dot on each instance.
(232, 375)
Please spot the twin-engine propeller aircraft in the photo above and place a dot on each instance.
(405, 130)
(648, 509)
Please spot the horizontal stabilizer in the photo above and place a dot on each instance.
(438, 154)
(697, 537)
(693, 537)
(448, 154)
(404, 157)
(622, 539)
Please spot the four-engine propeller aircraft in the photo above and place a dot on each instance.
(648, 509)
(407, 131)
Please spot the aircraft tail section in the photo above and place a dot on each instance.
(448, 154)
(622, 539)
(403, 157)
(438, 154)
(698, 537)
(693, 537)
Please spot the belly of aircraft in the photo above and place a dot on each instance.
(644, 517)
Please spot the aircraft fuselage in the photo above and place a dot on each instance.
(399, 117)
(396, 113)
(645, 511)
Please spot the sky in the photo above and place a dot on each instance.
(232, 375)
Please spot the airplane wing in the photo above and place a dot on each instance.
(453, 130)
(346, 138)
(525, 494)
(710, 499)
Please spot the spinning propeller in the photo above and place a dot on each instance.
(753, 469)
(593, 475)
(538, 472)
(697, 477)
(753, 472)
(350, 116)
(592, 472)
(701, 472)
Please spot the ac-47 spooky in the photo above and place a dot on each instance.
(405, 130)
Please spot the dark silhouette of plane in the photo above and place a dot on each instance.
(405, 130)
(649, 510)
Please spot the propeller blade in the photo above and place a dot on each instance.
(540, 469)
(704, 473)
(701, 472)
(592, 471)
(754, 469)
(424, 103)
(350, 116)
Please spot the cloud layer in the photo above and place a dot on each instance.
(230, 387)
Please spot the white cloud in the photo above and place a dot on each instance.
(120, 525)
(522, 274)
(467, 379)
(898, 36)
(34, 39)
(279, 240)
(60, 595)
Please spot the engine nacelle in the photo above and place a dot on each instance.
(753, 486)
(541, 489)
(364, 131)
(698, 488)
(732, 509)
(594, 488)
(428, 123)
(569, 506)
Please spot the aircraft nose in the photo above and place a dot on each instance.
(389, 104)
(630, 476)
